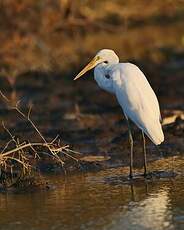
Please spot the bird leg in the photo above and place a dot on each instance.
(144, 151)
(132, 192)
(131, 148)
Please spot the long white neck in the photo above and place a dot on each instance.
(102, 77)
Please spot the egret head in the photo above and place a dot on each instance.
(106, 56)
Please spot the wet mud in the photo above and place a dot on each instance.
(90, 121)
(40, 72)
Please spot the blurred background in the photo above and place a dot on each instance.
(62, 35)
(44, 43)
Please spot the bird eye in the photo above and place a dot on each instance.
(107, 76)
(106, 62)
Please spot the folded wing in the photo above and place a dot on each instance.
(137, 99)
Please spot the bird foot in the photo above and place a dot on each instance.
(130, 176)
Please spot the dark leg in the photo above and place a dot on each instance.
(132, 192)
(131, 148)
(144, 151)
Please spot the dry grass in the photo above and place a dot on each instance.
(19, 162)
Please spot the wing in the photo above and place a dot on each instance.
(137, 99)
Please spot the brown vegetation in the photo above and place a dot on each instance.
(43, 43)
(19, 159)
(46, 35)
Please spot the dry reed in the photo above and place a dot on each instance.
(18, 162)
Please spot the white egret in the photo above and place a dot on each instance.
(134, 94)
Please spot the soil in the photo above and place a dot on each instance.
(85, 117)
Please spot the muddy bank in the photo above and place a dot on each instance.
(90, 122)
(39, 61)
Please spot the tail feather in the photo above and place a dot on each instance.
(155, 133)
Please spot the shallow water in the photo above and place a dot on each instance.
(92, 201)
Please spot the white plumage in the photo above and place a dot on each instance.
(132, 90)
(134, 94)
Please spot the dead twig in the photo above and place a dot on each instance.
(22, 150)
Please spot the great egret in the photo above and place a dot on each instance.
(134, 94)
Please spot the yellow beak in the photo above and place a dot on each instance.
(92, 64)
